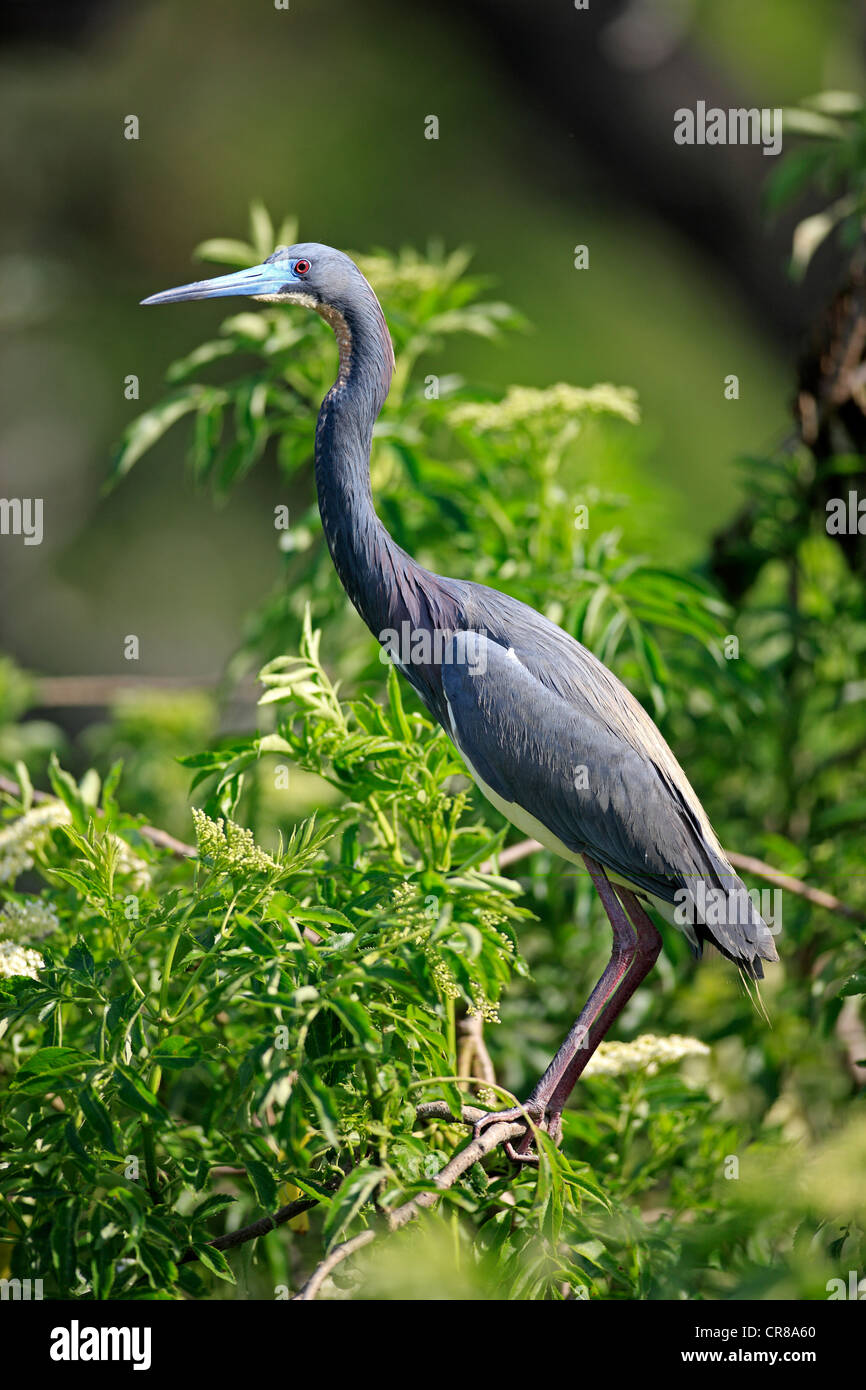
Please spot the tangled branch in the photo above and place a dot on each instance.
(255, 1229)
(454, 1169)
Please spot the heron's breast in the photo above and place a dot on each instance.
(535, 829)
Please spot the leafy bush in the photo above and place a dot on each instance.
(195, 1038)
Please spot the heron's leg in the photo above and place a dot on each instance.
(633, 956)
(646, 950)
(631, 948)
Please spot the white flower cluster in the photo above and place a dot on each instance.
(228, 847)
(483, 1006)
(647, 1053)
(19, 838)
(130, 865)
(443, 977)
(26, 920)
(551, 406)
(19, 960)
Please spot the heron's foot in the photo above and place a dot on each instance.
(520, 1150)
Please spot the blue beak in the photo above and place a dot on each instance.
(269, 278)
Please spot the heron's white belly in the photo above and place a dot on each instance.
(534, 828)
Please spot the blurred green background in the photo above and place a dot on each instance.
(319, 110)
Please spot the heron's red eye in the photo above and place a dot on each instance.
(301, 267)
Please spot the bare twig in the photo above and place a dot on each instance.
(257, 1228)
(441, 1110)
(512, 854)
(160, 838)
(163, 840)
(330, 1262)
(475, 1150)
(795, 885)
(472, 1055)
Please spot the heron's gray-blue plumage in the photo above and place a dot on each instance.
(543, 706)
(548, 728)
(533, 728)
(533, 719)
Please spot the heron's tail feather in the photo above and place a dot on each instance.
(727, 916)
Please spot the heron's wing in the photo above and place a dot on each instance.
(571, 770)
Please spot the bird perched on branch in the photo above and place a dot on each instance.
(551, 737)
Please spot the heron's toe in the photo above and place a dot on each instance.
(517, 1114)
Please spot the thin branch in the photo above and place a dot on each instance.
(163, 840)
(160, 838)
(257, 1228)
(474, 1151)
(441, 1110)
(512, 854)
(330, 1262)
(472, 1055)
(446, 1178)
(795, 885)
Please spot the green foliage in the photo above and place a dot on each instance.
(33, 740)
(189, 1042)
(278, 1014)
(833, 161)
(271, 1010)
(273, 1016)
(149, 730)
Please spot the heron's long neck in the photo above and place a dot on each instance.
(364, 554)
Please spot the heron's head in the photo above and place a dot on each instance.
(319, 277)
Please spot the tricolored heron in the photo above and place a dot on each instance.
(551, 737)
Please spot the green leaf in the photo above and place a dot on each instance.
(66, 789)
(64, 1225)
(261, 229)
(211, 1205)
(41, 1070)
(98, 1118)
(263, 1182)
(812, 231)
(148, 428)
(80, 960)
(323, 1104)
(215, 1261)
(797, 121)
(354, 1191)
(226, 251)
(134, 1093)
(176, 1053)
(25, 786)
(836, 103)
(160, 1268)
